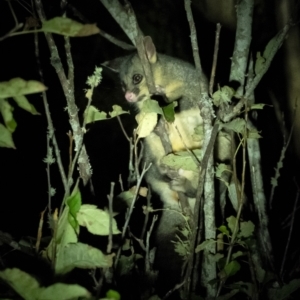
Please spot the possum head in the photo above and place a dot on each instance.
(132, 74)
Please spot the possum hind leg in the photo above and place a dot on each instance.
(167, 261)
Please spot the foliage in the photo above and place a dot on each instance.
(236, 242)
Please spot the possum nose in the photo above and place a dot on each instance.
(130, 97)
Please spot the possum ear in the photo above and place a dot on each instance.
(150, 49)
(114, 64)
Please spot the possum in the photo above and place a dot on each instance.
(177, 81)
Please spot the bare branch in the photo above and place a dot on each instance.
(124, 16)
(110, 198)
(243, 37)
(83, 162)
(215, 59)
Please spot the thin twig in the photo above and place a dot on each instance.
(69, 134)
(136, 156)
(240, 193)
(193, 35)
(207, 175)
(192, 154)
(198, 205)
(124, 16)
(146, 211)
(110, 211)
(83, 162)
(215, 59)
(240, 55)
(107, 36)
(122, 128)
(252, 84)
(55, 228)
(24, 6)
(290, 231)
(13, 13)
(274, 180)
(139, 182)
(99, 284)
(175, 288)
(121, 182)
(17, 25)
(40, 232)
(51, 130)
(48, 173)
(147, 256)
(130, 210)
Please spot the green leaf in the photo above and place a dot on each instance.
(274, 181)
(6, 138)
(113, 295)
(270, 47)
(62, 291)
(151, 106)
(228, 296)
(147, 123)
(18, 87)
(24, 284)
(285, 291)
(258, 106)
(261, 59)
(253, 134)
(6, 111)
(224, 230)
(237, 254)
(221, 263)
(237, 125)
(246, 229)
(95, 79)
(117, 111)
(92, 114)
(169, 112)
(185, 231)
(198, 134)
(23, 103)
(65, 235)
(182, 247)
(216, 257)
(127, 197)
(231, 221)
(68, 27)
(79, 255)
(204, 245)
(74, 203)
(29, 288)
(220, 169)
(126, 264)
(182, 160)
(244, 287)
(223, 95)
(96, 220)
(230, 269)
(259, 63)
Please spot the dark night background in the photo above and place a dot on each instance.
(23, 181)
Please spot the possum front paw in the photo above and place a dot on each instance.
(184, 181)
(178, 184)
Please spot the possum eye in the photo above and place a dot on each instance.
(137, 78)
